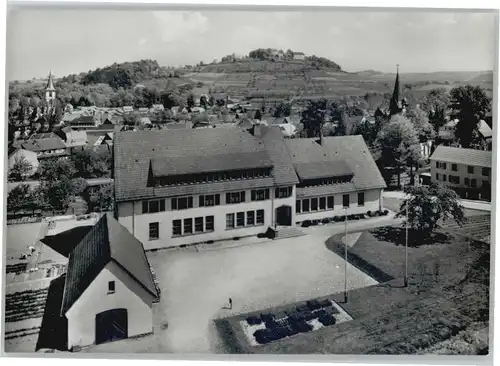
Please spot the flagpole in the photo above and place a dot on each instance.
(345, 258)
(406, 245)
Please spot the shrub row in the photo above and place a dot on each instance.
(327, 220)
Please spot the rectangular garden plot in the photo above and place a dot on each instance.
(309, 317)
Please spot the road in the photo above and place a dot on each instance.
(470, 204)
(35, 183)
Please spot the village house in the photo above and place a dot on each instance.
(73, 138)
(109, 288)
(168, 183)
(299, 56)
(84, 121)
(468, 171)
(46, 145)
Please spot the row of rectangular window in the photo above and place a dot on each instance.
(242, 219)
(183, 203)
(185, 226)
(213, 177)
(456, 180)
(470, 169)
(325, 203)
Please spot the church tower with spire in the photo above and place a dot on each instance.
(396, 105)
(50, 91)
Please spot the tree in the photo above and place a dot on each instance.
(203, 101)
(469, 104)
(435, 103)
(17, 197)
(313, 117)
(399, 145)
(132, 119)
(56, 169)
(57, 193)
(102, 198)
(211, 101)
(282, 110)
(190, 101)
(258, 115)
(428, 206)
(420, 121)
(21, 169)
(78, 186)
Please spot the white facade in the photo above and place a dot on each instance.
(462, 175)
(372, 202)
(131, 217)
(128, 294)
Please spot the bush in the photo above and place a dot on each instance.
(327, 320)
(369, 213)
(236, 238)
(313, 304)
(261, 235)
(267, 317)
(253, 320)
(325, 221)
(306, 223)
(386, 212)
(301, 326)
(325, 303)
(301, 308)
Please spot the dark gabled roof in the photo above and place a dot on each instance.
(106, 241)
(190, 164)
(83, 119)
(350, 149)
(322, 169)
(134, 151)
(325, 190)
(283, 171)
(459, 155)
(51, 143)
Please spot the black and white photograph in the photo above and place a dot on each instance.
(243, 181)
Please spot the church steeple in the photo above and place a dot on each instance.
(395, 105)
(50, 91)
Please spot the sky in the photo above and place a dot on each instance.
(72, 41)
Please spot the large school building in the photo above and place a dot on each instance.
(175, 187)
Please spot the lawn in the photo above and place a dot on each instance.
(448, 292)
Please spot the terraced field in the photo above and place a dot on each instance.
(476, 227)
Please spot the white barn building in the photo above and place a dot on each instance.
(109, 289)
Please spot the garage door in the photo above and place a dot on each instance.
(111, 325)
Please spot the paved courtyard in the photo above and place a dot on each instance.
(196, 284)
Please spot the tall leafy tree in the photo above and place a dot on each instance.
(313, 117)
(282, 110)
(17, 197)
(436, 103)
(420, 121)
(469, 104)
(258, 115)
(399, 145)
(428, 206)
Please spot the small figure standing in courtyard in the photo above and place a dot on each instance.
(230, 303)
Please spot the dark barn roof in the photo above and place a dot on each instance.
(162, 167)
(322, 169)
(351, 150)
(107, 241)
(459, 155)
(135, 151)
